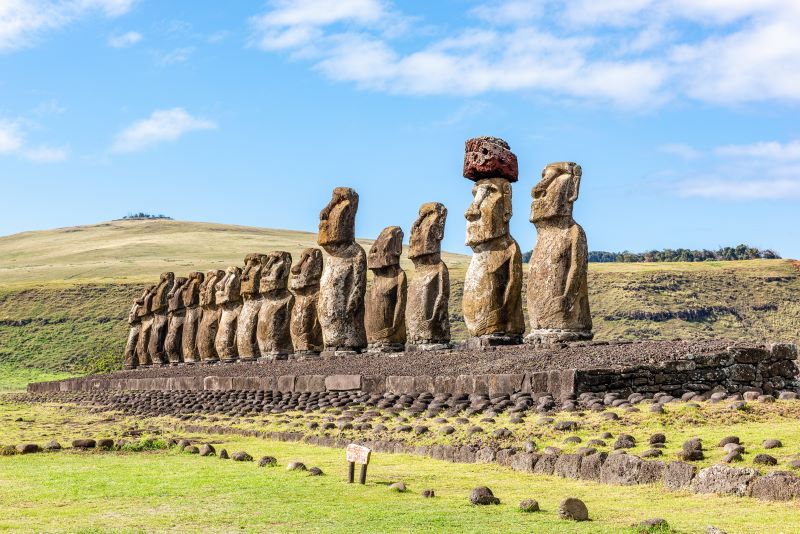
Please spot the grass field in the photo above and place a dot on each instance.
(65, 293)
(168, 490)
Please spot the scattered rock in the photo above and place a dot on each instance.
(652, 453)
(399, 487)
(692, 455)
(315, 472)
(530, 446)
(772, 444)
(658, 438)
(529, 505)
(191, 449)
(733, 456)
(624, 441)
(241, 456)
(182, 444)
(446, 430)
(295, 466)
(566, 426)
(28, 448)
(207, 450)
(765, 459)
(267, 461)
(223, 454)
(656, 523)
(483, 495)
(428, 494)
(52, 445)
(105, 444)
(7, 450)
(729, 439)
(574, 509)
(725, 480)
(83, 444)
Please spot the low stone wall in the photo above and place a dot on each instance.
(736, 369)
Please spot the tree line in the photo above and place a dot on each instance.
(143, 215)
(740, 252)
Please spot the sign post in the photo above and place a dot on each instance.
(356, 454)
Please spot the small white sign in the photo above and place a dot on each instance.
(358, 454)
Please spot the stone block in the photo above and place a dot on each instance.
(485, 455)
(742, 372)
(783, 351)
(568, 466)
(245, 383)
(748, 354)
(524, 462)
(591, 465)
(546, 464)
(504, 457)
(678, 475)
(724, 480)
(423, 384)
(554, 384)
(539, 382)
(267, 383)
(568, 383)
(621, 469)
(777, 486)
(218, 383)
(286, 383)
(445, 384)
(373, 384)
(502, 384)
(399, 384)
(651, 472)
(310, 383)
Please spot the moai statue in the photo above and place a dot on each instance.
(229, 300)
(191, 322)
(247, 324)
(344, 276)
(176, 314)
(492, 299)
(427, 312)
(558, 294)
(146, 328)
(274, 331)
(135, 322)
(158, 334)
(385, 319)
(209, 324)
(305, 328)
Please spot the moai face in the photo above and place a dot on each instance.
(427, 231)
(160, 298)
(386, 250)
(229, 286)
(176, 294)
(208, 291)
(337, 221)
(191, 295)
(145, 301)
(489, 157)
(307, 272)
(251, 274)
(556, 192)
(490, 211)
(275, 272)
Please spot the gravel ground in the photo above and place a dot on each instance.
(517, 359)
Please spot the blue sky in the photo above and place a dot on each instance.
(682, 113)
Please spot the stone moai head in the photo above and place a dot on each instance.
(208, 291)
(141, 305)
(489, 162)
(275, 271)
(386, 250)
(161, 296)
(427, 231)
(307, 272)
(191, 295)
(337, 221)
(176, 294)
(228, 287)
(251, 274)
(556, 192)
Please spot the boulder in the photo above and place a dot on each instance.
(621, 469)
(651, 472)
(591, 465)
(678, 475)
(529, 505)
(777, 486)
(105, 444)
(729, 439)
(83, 444)
(765, 459)
(52, 445)
(546, 464)
(568, 466)
(574, 509)
(399, 487)
(724, 480)
(428, 494)
(295, 466)
(483, 495)
(28, 448)
(241, 456)
(207, 450)
(191, 449)
(524, 462)
(315, 472)
(267, 461)
(772, 444)
(223, 454)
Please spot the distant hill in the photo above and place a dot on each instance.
(65, 293)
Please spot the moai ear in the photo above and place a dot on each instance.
(576, 183)
(507, 207)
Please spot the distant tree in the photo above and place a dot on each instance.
(739, 252)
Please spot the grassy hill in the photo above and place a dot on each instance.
(65, 293)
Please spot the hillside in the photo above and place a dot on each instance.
(65, 293)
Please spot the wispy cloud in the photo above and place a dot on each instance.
(45, 154)
(13, 143)
(179, 55)
(636, 53)
(10, 137)
(681, 150)
(161, 126)
(23, 21)
(124, 40)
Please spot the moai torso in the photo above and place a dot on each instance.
(194, 314)
(146, 328)
(160, 304)
(274, 331)
(558, 296)
(247, 323)
(229, 300)
(135, 322)
(386, 297)
(209, 323)
(305, 328)
(344, 277)
(492, 302)
(427, 312)
(176, 315)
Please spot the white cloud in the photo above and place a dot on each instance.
(179, 55)
(124, 40)
(771, 150)
(22, 21)
(633, 53)
(10, 137)
(45, 154)
(12, 142)
(161, 126)
(780, 189)
(681, 150)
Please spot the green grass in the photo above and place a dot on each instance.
(168, 490)
(65, 293)
(14, 377)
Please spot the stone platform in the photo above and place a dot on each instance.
(564, 372)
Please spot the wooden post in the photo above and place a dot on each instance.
(363, 478)
(356, 454)
(351, 472)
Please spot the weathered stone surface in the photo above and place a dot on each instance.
(135, 322)
(529, 505)
(83, 443)
(176, 314)
(777, 486)
(145, 317)
(483, 496)
(591, 465)
(651, 472)
(724, 480)
(427, 312)
(621, 469)
(568, 466)
(305, 328)
(241, 456)
(274, 318)
(158, 333)
(489, 157)
(343, 382)
(28, 448)
(574, 509)
(229, 299)
(491, 301)
(386, 298)
(191, 321)
(546, 464)
(209, 322)
(344, 276)
(558, 296)
(247, 322)
(524, 462)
